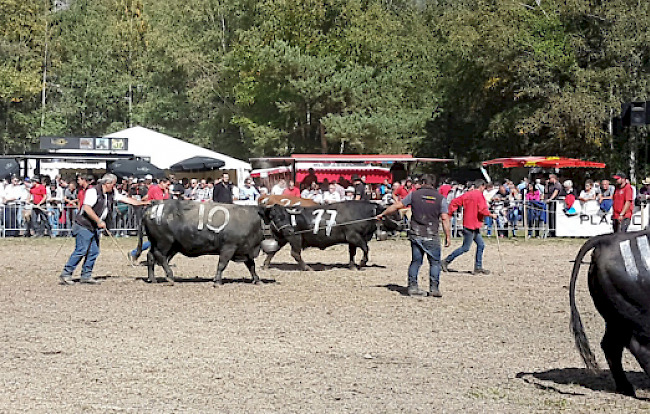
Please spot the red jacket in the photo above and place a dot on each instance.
(475, 208)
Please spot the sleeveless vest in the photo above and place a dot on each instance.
(426, 207)
(82, 218)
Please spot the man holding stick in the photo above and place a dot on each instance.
(98, 202)
(474, 210)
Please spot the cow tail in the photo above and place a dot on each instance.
(582, 343)
(138, 250)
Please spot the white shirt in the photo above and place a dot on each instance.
(15, 193)
(90, 199)
(277, 190)
(333, 197)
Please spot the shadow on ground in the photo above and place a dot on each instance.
(225, 281)
(601, 381)
(319, 267)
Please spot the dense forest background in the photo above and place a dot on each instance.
(444, 78)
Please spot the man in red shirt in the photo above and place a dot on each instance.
(474, 210)
(82, 185)
(39, 217)
(156, 192)
(292, 190)
(623, 204)
(400, 193)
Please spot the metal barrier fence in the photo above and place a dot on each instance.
(24, 220)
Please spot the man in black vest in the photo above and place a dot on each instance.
(222, 192)
(97, 205)
(427, 208)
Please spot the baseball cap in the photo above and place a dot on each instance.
(620, 175)
(148, 177)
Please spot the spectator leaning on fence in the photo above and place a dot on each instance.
(604, 195)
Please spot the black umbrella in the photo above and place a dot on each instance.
(197, 164)
(8, 167)
(134, 168)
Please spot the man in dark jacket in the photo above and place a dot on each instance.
(428, 208)
(97, 205)
(222, 192)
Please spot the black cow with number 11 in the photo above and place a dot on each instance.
(349, 222)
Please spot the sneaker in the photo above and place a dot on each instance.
(480, 271)
(66, 280)
(90, 281)
(444, 265)
(435, 293)
(416, 291)
(132, 259)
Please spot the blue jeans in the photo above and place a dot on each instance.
(488, 224)
(87, 245)
(468, 237)
(419, 247)
(145, 246)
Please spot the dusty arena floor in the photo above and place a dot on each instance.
(327, 341)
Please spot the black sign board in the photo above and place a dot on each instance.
(89, 143)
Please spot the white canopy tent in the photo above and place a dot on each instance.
(162, 151)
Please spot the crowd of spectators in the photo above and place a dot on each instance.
(35, 207)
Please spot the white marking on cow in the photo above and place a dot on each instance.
(226, 218)
(201, 215)
(330, 223)
(644, 249)
(155, 213)
(285, 201)
(265, 200)
(159, 213)
(293, 219)
(628, 259)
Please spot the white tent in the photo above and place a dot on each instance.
(164, 150)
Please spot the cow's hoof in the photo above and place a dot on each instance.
(258, 282)
(307, 269)
(217, 284)
(352, 266)
(629, 391)
(153, 281)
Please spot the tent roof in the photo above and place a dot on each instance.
(544, 162)
(165, 150)
(377, 158)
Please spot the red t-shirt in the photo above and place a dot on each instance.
(401, 192)
(81, 194)
(444, 189)
(475, 208)
(621, 195)
(156, 193)
(38, 191)
(295, 192)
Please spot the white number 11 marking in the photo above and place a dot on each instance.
(330, 223)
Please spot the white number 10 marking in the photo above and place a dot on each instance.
(330, 223)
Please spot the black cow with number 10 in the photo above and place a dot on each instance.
(195, 229)
(349, 222)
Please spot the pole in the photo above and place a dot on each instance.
(503, 267)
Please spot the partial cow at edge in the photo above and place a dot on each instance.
(619, 283)
(349, 222)
(194, 229)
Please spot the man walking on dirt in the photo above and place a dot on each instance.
(474, 210)
(428, 207)
(97, 205)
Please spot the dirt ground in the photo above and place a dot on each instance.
(327, 341)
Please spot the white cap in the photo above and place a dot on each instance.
(148, 177)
